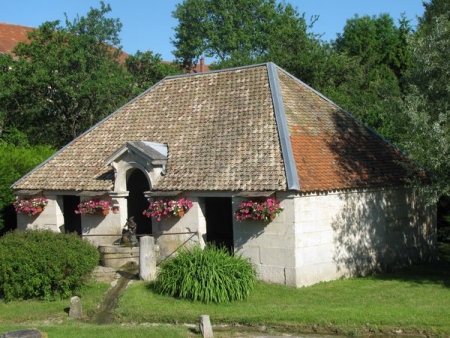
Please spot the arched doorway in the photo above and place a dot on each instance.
(137, 184)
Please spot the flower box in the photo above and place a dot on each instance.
(262, 210)
(166, 208)
(30, 206)
(94, 206)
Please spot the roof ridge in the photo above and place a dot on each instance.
(283, 130)
(217, 71)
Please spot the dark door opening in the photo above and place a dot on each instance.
(72, 221)
(219, 221)
(137, 183)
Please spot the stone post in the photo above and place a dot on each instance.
(205, 326)
(75, 308)
(147, 258)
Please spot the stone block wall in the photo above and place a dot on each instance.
(356, 233)
(325, 237)
(175, 233)
(51, 218)
(270, 246)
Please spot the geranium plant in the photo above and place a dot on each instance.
(93, 206)
(30, 206)
(166, 208)
(262, 210)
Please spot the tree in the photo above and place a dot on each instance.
(384, 59)
(66, 79)
(148, 68)
(376, 40)
(16, 161)
(433, 9)
(238, 33)
(427, 105)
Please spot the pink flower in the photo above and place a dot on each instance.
(91, 206)
(30, 206)
(265, 210)
(168, 208)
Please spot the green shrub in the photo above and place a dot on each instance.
(44, 264)
(209, 275)
(16, 161)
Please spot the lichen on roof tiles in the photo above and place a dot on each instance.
(219, 127)
(222, 135)
(332, 149)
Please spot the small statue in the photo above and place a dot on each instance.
(129, 235)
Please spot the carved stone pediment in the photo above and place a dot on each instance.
(149, 157)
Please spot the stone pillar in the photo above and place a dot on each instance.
(119, 206)
(205, 326)
(147, 258)
(75, 308)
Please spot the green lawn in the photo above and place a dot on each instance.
(415, 300)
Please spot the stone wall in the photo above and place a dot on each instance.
(356, 233)
(325, 237)
(175, 233)
(270, 246)
(100, 229)
(317, 237)
(51, 218)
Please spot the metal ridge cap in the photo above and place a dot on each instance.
(283, 131)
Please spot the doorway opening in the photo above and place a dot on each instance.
(72, 221)
(137, 184)
(219, 221)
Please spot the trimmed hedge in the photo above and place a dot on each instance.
(43, 264)
(209, 275)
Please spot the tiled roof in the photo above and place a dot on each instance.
(11, 35)
(222, 134)
(332, 150)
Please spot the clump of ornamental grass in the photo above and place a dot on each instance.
(208, 275)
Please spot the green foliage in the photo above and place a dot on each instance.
(148, 68)
(16, 161)
(95, 24)
(376, 41)
(69, 77)
(434, 9)
(427, 105)
(65, 79)
(373, 90)
(413, 299)
(209, 275)
(238, 33)
(44, 264)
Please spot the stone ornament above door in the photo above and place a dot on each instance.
(149, 157)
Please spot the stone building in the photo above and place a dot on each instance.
(224, 137)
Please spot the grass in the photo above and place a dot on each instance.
(415, 300)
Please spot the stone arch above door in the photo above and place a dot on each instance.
(149, 157)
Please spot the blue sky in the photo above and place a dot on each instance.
(148, 24)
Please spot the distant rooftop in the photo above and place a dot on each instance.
(11, 35)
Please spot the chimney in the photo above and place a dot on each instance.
(202, 64)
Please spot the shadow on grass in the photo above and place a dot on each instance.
(437, 272)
